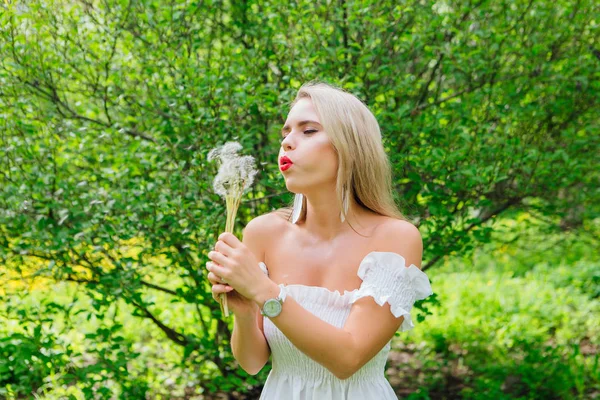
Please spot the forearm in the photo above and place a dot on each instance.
(328, 345)
(248, 344)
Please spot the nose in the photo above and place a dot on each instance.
(286, 143)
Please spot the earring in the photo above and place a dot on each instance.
(297, 210)
(345, 203)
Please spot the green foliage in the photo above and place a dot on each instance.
(498, 335)
(26, 360)
(110, 108)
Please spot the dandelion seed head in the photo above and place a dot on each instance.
(214, 154)
(247, 170)
(230, 149)
(224, 179)
(224, 152)
(236, 173)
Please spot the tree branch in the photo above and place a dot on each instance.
(176, 337)
(457, 237)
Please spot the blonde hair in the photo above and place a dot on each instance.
(364, 167)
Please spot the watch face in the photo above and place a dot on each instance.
(272, 308)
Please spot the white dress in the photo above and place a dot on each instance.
(295, 376)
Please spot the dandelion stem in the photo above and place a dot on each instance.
(233, 202)
(235, 175)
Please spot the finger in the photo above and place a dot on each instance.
(219, 260)
(223, 248)
(219, 271)
(215, 279)
(218, 289)
(210, 264)
(229, 239)
(212, 277)
(221, 288)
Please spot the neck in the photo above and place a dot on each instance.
(323, 215)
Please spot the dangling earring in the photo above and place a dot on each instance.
(345, 203)
(297, 210)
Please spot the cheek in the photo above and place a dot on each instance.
(328, 159)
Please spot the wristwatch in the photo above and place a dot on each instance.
(272, 307)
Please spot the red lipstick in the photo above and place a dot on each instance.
(285, 163)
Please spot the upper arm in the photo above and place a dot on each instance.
(258, 231)
(371, 325)
(254, 236)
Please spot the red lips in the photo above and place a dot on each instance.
(285, 163)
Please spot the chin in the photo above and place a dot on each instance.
(293, 188)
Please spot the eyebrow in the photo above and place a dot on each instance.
(287, 127)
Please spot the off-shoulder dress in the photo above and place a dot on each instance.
(295, 376)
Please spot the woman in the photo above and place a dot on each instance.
(325, 285)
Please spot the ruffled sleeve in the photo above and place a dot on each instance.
(387, 279)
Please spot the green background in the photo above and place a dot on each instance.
(489, 114)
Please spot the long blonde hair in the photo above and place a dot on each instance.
(364, 167)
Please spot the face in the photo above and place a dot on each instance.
(314, 159)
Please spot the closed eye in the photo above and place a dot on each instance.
(306, 132)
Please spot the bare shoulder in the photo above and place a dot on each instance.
(397, 227)
(261, 229)
(402, 237)
(265, 224)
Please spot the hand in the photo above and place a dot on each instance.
(238, 266)
(238, 304)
